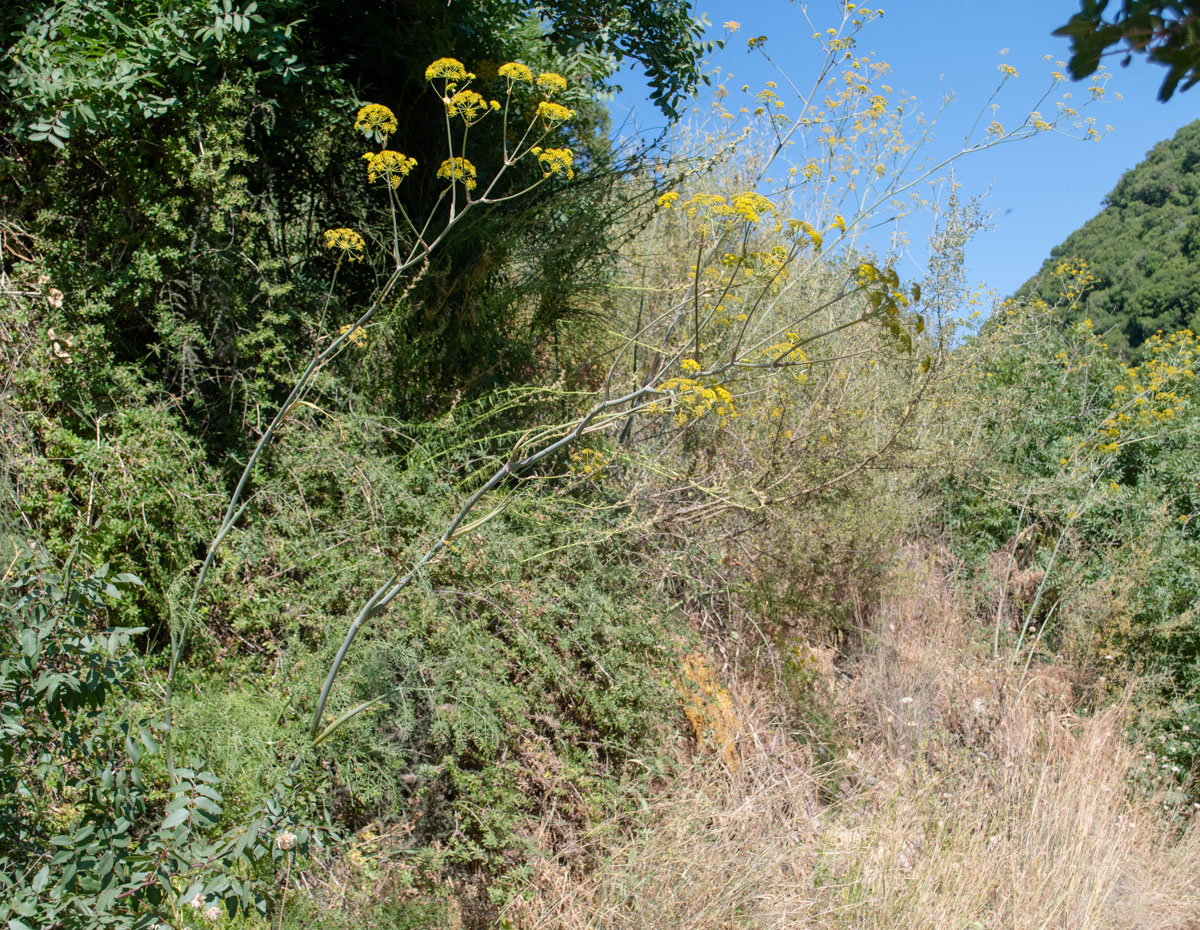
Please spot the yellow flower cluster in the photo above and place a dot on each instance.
(788, 352)
(458, 169)
(769, 105)
(469, 105)
(1007, 70)
(1077, 278)
(694, 399)
(451, 69)
(866, 274)
(1154, 391)
(805, 229)
(1035, 120)
(551, 83)
(854, 130)
(375, 120)
(767, 265)
(516, 72)
(588, 462)
(393, 167)
(750, 206)
(357, 337)
(747, 207)
(554, 113)
(347, 241)
(555, 161)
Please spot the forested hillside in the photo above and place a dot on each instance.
(422, 510)
(1143, 248)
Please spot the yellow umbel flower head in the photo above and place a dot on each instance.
(469, 105)
(516, 72)
(551, 83)
(375, 121)
(458, 169)
(346, 241)
(555, 161)
(391, 166)
(750, 206)
(449, 68)
(554, 113)
(358, 335)
(799, 230)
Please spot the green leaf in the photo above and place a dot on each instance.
(175, 818)
(188, 896)
(148, 740)
(209, 807)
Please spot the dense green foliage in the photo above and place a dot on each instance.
(1167, 33)
(166, 173)
(1080, 503)
(88, 837)
(1143, 249)
(206, 145)
(623, 435)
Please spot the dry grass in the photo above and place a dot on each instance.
(721, 848)
(978, 805)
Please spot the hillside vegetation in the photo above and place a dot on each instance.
(420, 511)
(1143, 249)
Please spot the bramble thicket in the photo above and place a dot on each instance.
(422, 510)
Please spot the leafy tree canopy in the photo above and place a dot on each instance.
(1167, 33)
(205, 141)
(1143, 249)
(75, 63)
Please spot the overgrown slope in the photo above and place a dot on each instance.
(1143, 249)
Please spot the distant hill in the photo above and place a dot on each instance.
(1144, 247)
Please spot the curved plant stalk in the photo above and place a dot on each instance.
(418, 256)
(762, 325)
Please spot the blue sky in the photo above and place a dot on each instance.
(1041, 189)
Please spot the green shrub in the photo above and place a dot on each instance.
(1082, 470)
(91, 833)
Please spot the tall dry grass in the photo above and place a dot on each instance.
(973, 797)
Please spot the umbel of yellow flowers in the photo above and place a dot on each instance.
(346, 241)
(458, 169)
(555, 161)
(374, 119)
(392, 167)
(378, 122)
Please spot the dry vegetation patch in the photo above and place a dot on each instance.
(978, 798)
